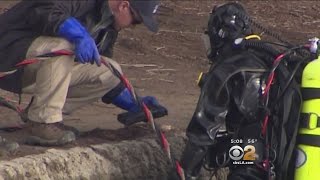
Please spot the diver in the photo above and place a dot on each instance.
(234, 109)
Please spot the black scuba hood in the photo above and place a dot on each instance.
(227, 22)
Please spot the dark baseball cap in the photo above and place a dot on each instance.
(147, 9)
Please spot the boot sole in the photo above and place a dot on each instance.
(35, 140)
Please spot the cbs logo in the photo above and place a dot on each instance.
(236, 153)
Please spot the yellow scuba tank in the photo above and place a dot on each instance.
(308, 156)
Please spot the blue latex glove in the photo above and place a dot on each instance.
(85, 48)
(149, 101)
(125, 101)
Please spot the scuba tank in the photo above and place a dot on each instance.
(308, 149)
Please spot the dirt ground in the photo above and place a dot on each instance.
(167, 64)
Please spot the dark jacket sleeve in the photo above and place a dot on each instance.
(46, 16)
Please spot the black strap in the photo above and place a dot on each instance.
(310, 93)
(288, 117)
(308, 139)
(305, 120)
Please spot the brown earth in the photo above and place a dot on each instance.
(167, 64)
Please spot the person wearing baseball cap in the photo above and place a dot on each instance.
(147, 9)
(141, 11)
(61, 84)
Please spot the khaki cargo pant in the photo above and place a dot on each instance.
(60, 85)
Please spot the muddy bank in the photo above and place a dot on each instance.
(128, 160)
(141, 159)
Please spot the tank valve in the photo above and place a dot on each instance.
(314, 44)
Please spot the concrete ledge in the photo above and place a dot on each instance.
(138, 159)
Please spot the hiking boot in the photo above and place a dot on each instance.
(7, 146)
(70, 128)
(52, 134)
(25, 119)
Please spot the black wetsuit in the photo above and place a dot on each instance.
(230, 98)
(231, 106)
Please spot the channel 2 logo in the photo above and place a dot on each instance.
(236, 153)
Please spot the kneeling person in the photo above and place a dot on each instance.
(61, 84)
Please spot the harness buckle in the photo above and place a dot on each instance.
(312, 120)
